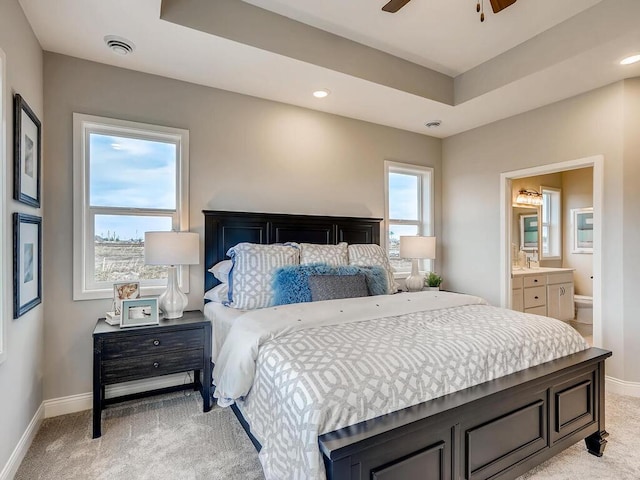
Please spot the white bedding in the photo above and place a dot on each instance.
(221, 318)
(298, 371)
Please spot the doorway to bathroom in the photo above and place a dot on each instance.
(559, 242)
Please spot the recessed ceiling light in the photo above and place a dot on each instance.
(433, 124)
(119, 45)
(629, 60)
(321, 93)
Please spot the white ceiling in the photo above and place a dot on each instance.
(567, 57)
(445, 35)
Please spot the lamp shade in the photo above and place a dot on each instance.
(418, 247)
(171, 248)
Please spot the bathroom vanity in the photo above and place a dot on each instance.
(543, 291)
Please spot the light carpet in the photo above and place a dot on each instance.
(169, 437)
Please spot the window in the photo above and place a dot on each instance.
(4, 286)
(129, 178)
(551, 233)
(409, 209)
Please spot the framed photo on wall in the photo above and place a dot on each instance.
(27, 263)
(582, 219)
(26, 154)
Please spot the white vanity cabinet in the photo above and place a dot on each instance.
(560, 303)
(543, 291)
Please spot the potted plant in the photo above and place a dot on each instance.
(432, 281)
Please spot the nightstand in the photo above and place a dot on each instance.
(173, 346)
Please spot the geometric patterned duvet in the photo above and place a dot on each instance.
(319, 379)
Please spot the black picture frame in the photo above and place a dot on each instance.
(27, 153)
(27, 263)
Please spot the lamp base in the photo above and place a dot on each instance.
(415, 281)
(172, 302)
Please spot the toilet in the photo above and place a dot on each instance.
(584, 308)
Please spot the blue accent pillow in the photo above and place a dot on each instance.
(291, 282)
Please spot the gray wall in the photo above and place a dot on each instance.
(631, 234)
(245, 154)
(586, 125)
(577, 192)
(21, 372)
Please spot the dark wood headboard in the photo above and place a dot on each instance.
(223, 230)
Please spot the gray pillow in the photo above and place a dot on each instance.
(330, 287)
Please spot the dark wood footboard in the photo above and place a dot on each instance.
(499, 429)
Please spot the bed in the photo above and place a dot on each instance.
(496, 429)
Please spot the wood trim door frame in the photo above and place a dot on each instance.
(597, 162)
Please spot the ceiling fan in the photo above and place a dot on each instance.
(498, 5)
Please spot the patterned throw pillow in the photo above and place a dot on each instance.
(331, 287)
(251, 275)
(334, 255)
(367, 255)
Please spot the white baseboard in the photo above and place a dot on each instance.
(622, 387)
(84, 401)
(66, 405)
(12, 465)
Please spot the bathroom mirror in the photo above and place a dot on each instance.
(525, 234)
(529, 232)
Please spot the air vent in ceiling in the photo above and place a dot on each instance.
(433, 124)
(119, 45)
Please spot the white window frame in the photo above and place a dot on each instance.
(5, 288)
(555, 228)
(83, 225)
(425, 220)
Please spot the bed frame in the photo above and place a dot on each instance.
(496, 430)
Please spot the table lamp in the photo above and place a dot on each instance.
(415, 248)
(171, 249)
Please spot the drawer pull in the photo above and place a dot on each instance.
(156, 364)
(536, 298)
(535, 280)
(156, 342)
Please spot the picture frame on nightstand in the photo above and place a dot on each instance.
(139, 312)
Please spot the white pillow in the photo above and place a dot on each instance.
(218, 294)
(251, 277)
(368, 255)
(334, 255)
(221, 270)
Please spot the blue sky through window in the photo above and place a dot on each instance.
(403, 196)
(131, 173)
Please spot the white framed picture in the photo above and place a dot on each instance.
(124, 291)
(139, 312)
(582, 221)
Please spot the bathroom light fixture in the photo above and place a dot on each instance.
(629, 60)
(529, 197)
(119, 45)
(416, 247)
(321, 93)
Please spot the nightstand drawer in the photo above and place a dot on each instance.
(151, 343)
(145, 366)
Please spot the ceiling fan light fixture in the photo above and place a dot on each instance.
(322, 93)
(119, 45)
(630, 60)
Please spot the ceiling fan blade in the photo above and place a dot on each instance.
(499, 5)
(394, 5)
